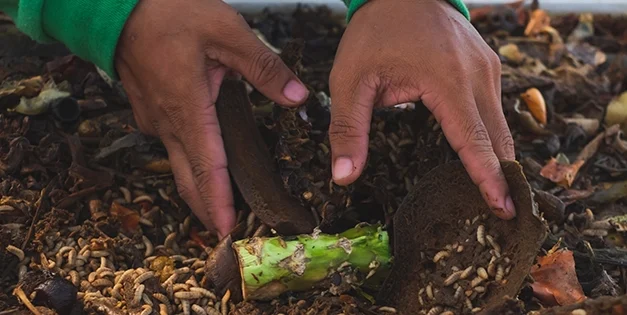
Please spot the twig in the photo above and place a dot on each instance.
(43, 197)
(22, 297)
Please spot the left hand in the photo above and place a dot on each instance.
(401, 51)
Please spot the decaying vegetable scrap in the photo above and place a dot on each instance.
(555, 279)
(469, 259)
(267, 267)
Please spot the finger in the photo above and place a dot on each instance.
(185, 184)
(351, 114)
(488, 98)
(205, 152)
(468, 136)
(261, 67)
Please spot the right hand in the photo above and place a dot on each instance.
(171, 58)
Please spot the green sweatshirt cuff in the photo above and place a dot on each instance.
(90, 29)
(354, 5)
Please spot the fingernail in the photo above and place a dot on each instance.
(509, 207)
(294, 91)
(342, 168)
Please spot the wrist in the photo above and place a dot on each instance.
(355, 5)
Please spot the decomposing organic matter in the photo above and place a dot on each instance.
(90, 203)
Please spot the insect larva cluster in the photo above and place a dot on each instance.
(460, 275)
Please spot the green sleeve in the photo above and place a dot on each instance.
(354, 5)
(89, 28)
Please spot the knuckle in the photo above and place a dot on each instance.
(184, 189)
(343, 127)
(203, 169)
(265, 66)
(476, 133)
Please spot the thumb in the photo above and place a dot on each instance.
(264, 69)
(351, 113)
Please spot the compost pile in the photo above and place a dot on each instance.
(90, 220)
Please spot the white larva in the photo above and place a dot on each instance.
(139, 292)
(204, 292)
(149, 247)
(429, 291)
(493, 243)
(481, 235)
(188, 295)
(198, 309)
(440, 255)
(147, 310)
(436, 310)
(143, 277)
(466, 273)
(500, 272)
(16, 251)
(481, 272)
(452, 278)
(126, 193)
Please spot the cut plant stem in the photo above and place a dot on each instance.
(273, 265)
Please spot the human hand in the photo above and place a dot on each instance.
(172, 57)
(409, 50)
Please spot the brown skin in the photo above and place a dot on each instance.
(172, 57)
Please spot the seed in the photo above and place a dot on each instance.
(460, 248)
(16, 251)
(198, 309)
(430, 291)
(481, 235)
(143, 277)
(481, 272)
(435, 310)
(466, 273)
(480, 289)
(126, 193)
(440, 255)
(467, 223)
(499, 273)
(475, 282)
(145, 222)
(387, 309)
(138, 294)
(204, 292)
(452, 278)
(188, 295)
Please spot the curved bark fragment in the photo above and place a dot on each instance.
(252, 167)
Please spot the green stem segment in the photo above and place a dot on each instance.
(274, 265)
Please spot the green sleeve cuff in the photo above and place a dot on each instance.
(354, 5)
(27, 17)
(90, 29)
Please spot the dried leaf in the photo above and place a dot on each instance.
(536, 104)
(562, 174)
(129, 218)
(593, 146)
(611, 192)
(556, 279)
